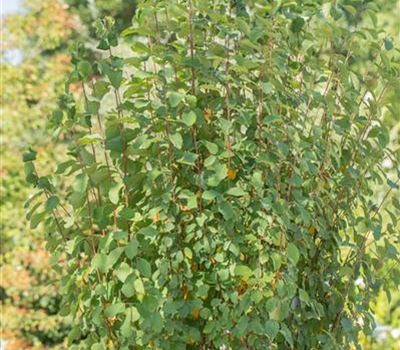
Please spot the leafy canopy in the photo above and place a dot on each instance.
(217, 191)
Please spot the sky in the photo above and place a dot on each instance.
(9, 6)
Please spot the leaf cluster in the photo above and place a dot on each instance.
(218, 186)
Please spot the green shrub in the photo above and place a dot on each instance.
(223, 200)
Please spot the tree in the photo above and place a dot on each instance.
(29, 292)
(89, 10)
(224, 199)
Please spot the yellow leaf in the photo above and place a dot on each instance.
(243, 286)
(208, 114)
(194, 267)
(312, 230)
(156, 217)
(231, 174)
(185, 292)
(196, 313)
(184, 208)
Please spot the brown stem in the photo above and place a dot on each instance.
(124, 154)
(93, 150)
(55, 213)
(193, 90)
(228, 89)
(106, 157)
(260, 112)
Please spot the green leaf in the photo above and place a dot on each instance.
(90, 139)
(115, 78)
(51, 203)
(189, 118)
(131, 248)
(114, 310)
(212, 147)
(101, 87)
(123, 271)
(144, 267)
(243, 270)
(226, 210)
(29, 155)
(157, 323)
(220, 173)
(297, 24)
(210, 161)
(188, 252)
(267, 88)
(346, 324)
(272, 328)
(139, 287)
(393, 185)
(127, 213)
(174, 99)
(115, 144)
(350, 9)
(81, 183)
(148, 231)
(37, 219)
(241, 326)
(113, 194)
(304, 297)
(113, 257)
(236, 191)
(135, 316)
(131, 316)
(85, 69)
(100, 262)
(277, 261)
(209, 195)
(388, 44)
(287, 334)
(128, 289)
(64, 166)
(223, 274)
(192, 100)
(293, 253)
(176, 140)
(74, 334)
(189, 158)
(57, 117)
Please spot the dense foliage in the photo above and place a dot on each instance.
(224, 199)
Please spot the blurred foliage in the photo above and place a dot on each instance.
(89, 10)
(29, 285)
(35, 62)
(387, 308)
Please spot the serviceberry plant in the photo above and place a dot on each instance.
(218, 190)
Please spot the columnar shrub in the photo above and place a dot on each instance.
(217, 192)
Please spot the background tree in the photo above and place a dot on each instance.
(30, 296)
(89, 10)
(34, 65)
